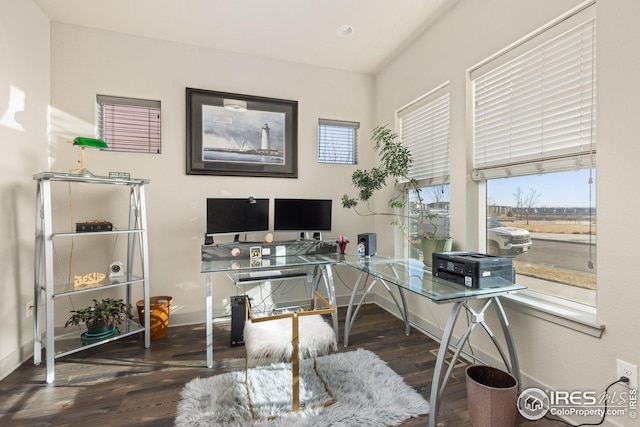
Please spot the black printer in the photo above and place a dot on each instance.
(473, 270)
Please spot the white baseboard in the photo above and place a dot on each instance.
(11, 362)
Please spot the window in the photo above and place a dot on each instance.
(337, 142)
(435, 200)
(535, 148)
(547, 223)
(424, 129)
(128, 124)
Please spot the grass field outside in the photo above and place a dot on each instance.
(559, 227)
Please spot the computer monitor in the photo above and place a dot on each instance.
(237, 216)
(302, 215)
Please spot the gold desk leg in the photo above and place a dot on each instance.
(295, 360)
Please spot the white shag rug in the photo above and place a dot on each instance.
(367, 391)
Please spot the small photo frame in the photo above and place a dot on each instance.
(255, 252)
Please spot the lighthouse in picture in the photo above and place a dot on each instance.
(266, 142)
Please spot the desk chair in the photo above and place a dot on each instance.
(288, 337)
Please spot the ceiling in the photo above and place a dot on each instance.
(302, 31)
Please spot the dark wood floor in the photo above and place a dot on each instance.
(124, 384)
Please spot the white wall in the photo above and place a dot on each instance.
(24, 97)
(550, 355)
(86, 62)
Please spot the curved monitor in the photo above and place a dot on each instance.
(302, 215)
(236, 216)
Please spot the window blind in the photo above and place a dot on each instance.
(424, 129)
(535, 112)
(337, 141)
(129, 124)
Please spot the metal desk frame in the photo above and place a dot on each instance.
(321, 271)
(412, 275)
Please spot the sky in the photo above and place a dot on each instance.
(560, 189)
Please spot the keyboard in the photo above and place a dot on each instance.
(264, 273)
(270, 274)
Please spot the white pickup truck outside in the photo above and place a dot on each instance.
(506, 241)
(501, 240)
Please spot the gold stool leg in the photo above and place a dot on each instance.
(246, 385)
(295, 358)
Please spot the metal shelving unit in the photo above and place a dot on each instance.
(59, 343)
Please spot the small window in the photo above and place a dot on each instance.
(337, 142)
(129, 124)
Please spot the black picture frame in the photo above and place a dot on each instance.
(221, 140)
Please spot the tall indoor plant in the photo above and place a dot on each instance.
(395, 160)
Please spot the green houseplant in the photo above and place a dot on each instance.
(102, 316)
(419, 226)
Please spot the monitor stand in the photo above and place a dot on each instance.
(208, 240)
(305, 236)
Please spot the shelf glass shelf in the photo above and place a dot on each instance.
(70, 341)
(96, 233)
(62, 289)
(69, 177)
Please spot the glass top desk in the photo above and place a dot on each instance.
(290, 267)
(414, 276)
(404, 274)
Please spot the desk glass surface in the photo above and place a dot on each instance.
(415, 276)
(267, 263)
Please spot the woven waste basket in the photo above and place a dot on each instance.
(160, 309)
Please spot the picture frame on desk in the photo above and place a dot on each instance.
(255, 252)
(241, 135)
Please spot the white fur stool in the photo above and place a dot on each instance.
(289, 337)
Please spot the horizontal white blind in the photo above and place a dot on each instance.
(424, 129)
(337, 141)
(538, 107)
(129, 124)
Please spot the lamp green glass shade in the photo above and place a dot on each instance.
(83, 143)
(90, 142)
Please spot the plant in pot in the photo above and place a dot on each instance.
(419, 225)
(101, 317)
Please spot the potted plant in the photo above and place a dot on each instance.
(102, 316)
(395, 160)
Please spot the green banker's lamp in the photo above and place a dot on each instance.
(83, 143)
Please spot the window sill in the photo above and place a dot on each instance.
(557, 311)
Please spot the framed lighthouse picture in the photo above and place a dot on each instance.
(241, 135)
